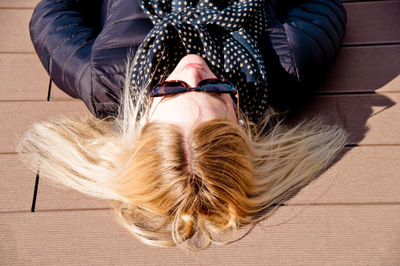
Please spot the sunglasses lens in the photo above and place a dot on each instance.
(169, 87)
(208, 85)
(216, 86)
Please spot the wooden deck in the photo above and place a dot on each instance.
(354, 218)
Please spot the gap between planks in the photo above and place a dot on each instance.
(331, 204)
(367, 1)
(317, 93)
(347, 146)
(345, 45)
(344, 1)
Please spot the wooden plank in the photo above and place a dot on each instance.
(17, 184)
(362, 175)
(357, 69)
(56, 197)
(14, 30)
(16, 117)
(372, 22)
(391, 86)
(26, 79)
(361, 69)
(335, 235)
(369, 118)
(18, 3)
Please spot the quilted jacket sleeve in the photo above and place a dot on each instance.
(123, 30)
(84, 46)
(63, 40)
(303, 44)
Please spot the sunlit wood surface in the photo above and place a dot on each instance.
(350, 215)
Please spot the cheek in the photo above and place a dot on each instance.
(229, 101)
(231, 106)
(171, 76)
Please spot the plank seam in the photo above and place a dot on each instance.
(13, 52)
(35, 192)
(345, 204)
(347, 145)
(45, 100)
(16, 8)
(332, 204)
(345, 2)
(314, 94)
(344, 45)
(373, 145)
(66, 210)
(353, 93)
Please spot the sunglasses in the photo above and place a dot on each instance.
(172, 87)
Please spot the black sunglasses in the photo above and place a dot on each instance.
(172, 87)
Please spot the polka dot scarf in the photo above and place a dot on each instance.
(226, 36)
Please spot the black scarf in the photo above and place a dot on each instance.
(225, 35)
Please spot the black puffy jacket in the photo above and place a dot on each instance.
(84, 45)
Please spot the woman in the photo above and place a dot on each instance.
(192, 147)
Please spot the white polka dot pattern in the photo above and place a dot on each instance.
(226, 35)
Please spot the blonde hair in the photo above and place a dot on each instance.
(168, 190)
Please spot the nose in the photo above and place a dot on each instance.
(192, 75)
(192, 69)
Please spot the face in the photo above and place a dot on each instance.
(190, 108)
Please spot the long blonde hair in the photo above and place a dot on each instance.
(169, 190)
